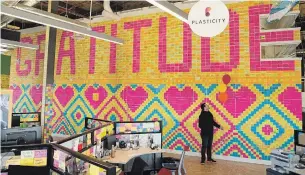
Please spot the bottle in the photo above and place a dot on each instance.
(112, 151)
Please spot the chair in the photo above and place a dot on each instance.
(177, 165)
(138, 166)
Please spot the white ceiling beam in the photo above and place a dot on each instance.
(170, 8)
(8, 43)
(17, 13)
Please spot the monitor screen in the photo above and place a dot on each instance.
(20, 136)
(15, 120)
(300, 150)
(109, 141)
(301, 138)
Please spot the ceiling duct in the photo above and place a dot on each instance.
(52, 16)
(108, 13)
(5, 20)
(55, 23)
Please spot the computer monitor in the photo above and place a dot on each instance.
(15, 120)
(29, 118)
(21, 136)
(109, 141)
(301, 138)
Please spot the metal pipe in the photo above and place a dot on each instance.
(8, 19)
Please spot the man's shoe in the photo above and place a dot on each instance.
(212, 160)
(202, 162)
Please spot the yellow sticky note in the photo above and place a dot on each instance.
(93, 170)
(95, 96)
(103, 133)
(40, 161)
(12, 162)
(27, 162)
(102, 171)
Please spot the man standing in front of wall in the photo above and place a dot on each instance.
(206, 124)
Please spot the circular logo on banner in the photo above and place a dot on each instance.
(208, 18)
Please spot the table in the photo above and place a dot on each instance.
(123, 156)
(297, 171)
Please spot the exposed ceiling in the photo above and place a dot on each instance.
(81, 9)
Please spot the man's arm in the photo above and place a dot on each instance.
(216, 124)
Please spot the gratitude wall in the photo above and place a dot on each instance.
(164, 71)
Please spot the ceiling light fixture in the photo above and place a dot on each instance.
(17, 13)
(3, 50)
(170, 8)
(8, 43)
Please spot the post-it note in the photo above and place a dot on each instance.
(40, 153)
(27, 154)
(56, 163)
(12, 162)
(62, 156)
(40, 161)
(62, 165)
(93, 169)
(56, 155)
(27, 162)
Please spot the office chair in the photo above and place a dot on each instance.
(176, 165)
(138, 166)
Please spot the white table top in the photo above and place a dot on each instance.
(123, 156)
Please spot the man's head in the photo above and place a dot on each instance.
(204, 107)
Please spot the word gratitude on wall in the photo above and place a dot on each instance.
(67, 47)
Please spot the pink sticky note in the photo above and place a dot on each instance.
(40, 153)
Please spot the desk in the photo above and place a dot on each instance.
(124, 156)
(296, 171)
